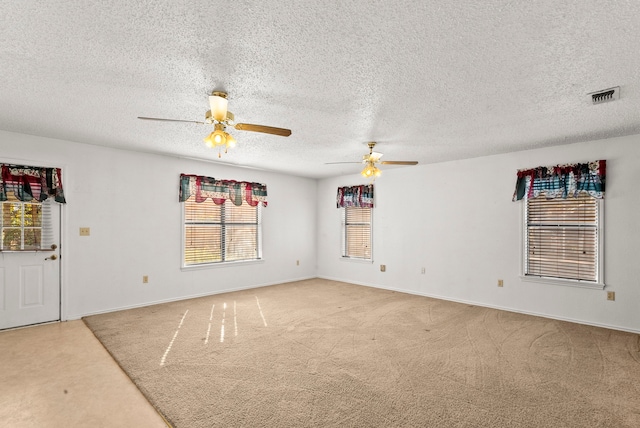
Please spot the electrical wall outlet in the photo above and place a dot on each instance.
(423, 271)
(85, 231)
(500, 283)
(611, 295)
(383, 268)
(145, 279)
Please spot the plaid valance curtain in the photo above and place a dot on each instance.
(30, 182)
(355, 196)
(203, 188)
(562, 181)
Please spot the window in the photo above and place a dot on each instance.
(21, 224)
(356, 233)
(221, 233)
(562, 239)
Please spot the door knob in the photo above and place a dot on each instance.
(53, 257)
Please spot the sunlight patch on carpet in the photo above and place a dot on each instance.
(166, 353)
(261, 314)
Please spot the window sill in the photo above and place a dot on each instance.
(565, 282)
(222, 265)
(35, 250)
(356, 260)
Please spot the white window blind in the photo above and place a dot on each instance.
(562, 238)
(221, 233)
(356, 233)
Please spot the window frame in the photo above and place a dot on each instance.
(22, 227)
(343, 238)
(227, 263)
(598, 284)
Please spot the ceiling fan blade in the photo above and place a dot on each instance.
(399, 162)
(264, 129)
(170, 120)
(335, 163)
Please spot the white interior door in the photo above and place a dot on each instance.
(29, 268)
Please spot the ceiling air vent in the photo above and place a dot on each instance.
(605, 95)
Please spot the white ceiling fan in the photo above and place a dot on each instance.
(371, 161)
(221, 118)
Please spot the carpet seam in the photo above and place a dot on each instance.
(164, 418)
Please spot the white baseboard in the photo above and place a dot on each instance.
(485, 305)
(191, 296)
(433, 296)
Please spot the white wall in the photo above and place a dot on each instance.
(130, 202)
(457, 220)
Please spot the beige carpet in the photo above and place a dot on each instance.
(320, 353)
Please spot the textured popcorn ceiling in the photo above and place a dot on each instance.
(430, 81)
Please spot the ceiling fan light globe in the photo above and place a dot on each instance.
(231, 142)
(219, 138)
(368, 171)
(209, 141)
